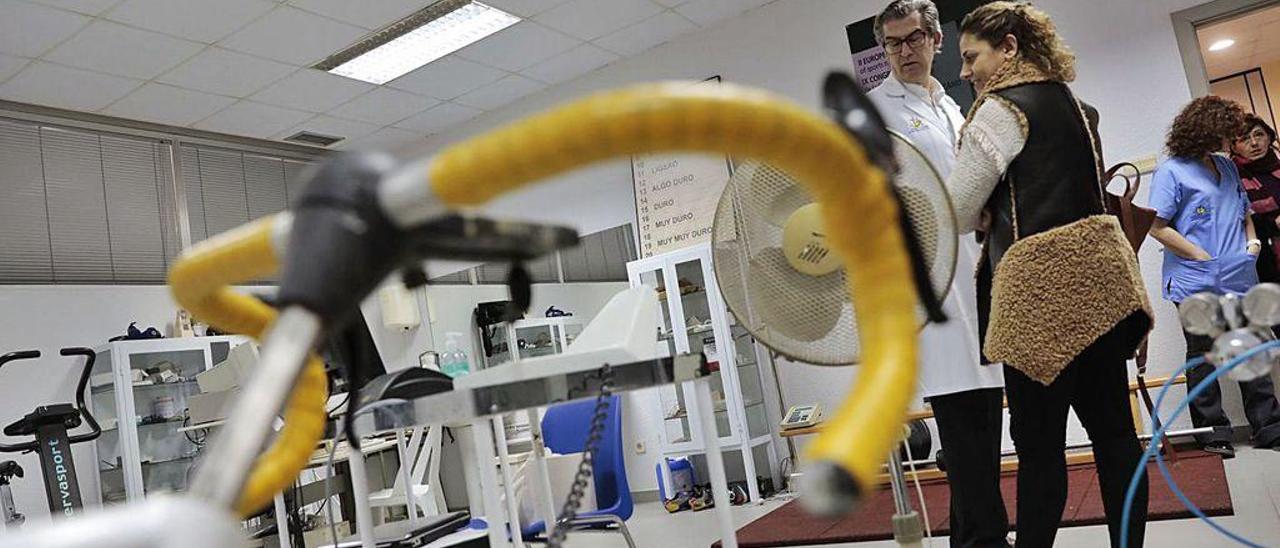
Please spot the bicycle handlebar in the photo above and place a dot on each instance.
(19, 355)
(81, 388)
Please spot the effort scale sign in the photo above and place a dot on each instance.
(676, 198)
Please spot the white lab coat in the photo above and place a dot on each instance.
(949, 360)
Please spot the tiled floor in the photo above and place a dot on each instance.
(1255, 490)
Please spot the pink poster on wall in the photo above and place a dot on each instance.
(870, 67)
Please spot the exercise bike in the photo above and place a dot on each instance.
(49, 425)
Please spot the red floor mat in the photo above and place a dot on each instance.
(1200, 475)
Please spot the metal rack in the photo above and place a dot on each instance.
(141, 452)
(694, 319)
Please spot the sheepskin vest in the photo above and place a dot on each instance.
(1059, 272)
(1055, 176)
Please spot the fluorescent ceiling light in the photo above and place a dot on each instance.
(1222, 44)
(428, 34)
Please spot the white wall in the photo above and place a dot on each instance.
(1129, 68)
(48, 318)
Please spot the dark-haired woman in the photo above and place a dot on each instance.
(1061, 302)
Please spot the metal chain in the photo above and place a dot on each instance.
(585, 468)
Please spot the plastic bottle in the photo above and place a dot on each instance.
(453, 361)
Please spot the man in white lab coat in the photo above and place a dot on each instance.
(965, 395)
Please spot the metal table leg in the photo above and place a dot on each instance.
(482, 434)
(360, 488)
(715, 463)
(542, 476)
(508, 481)
(282, 521)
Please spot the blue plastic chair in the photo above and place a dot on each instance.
(564, 430)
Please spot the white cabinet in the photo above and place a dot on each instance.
(531, 338)
(694, 319)
(139, 392)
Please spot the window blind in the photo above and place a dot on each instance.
(82, 207)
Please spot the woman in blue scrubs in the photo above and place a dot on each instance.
(1203, 220)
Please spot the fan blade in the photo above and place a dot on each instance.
(766, 192)
(799, 306)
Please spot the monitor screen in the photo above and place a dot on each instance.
(351, 348)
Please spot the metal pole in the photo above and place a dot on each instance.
(908, 529)
(715, 462)
(282, 521)
(508, 482)
(360, 492)
(546, 501)
(234, 451)
(406, 461)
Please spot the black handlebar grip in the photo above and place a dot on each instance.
(19, 355)
(81, 390)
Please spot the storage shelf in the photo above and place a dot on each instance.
(140, 425)
(701, 291)
(697, 330)
(102, 389)
(724, 446)
(719, 409)
(740, 362)
(168, 461)
(202, 426)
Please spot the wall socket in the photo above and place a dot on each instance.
(640, 448)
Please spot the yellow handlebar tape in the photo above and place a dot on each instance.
(861, 216)
(859, 212)
(200, 282)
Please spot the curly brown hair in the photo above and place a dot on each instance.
(1202, 125)
(1038, 40)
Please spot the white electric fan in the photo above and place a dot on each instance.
(782, 281)
(785, 284)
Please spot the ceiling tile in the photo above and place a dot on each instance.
(447, 78)
(438, 118)
(10, 65)
(225, 72)
(328, 125)
(708, 12)
(253, 120)
(370, 15)
(384, 106)
(518, 47)
(671, 3)
(500, 93)
(198, 20)
(167, 105)
(311, 90)
(524, 8)
(87, 7)
(385, 138)
(124, 51)
(65, 87)
(591, 19)
(646, 34)
(294, 36)
(30, 30)
(571, 64)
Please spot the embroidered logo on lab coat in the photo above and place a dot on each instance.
(917, 125)
(1202, 210)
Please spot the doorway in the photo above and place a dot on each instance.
(1227, 51)
(1242, 59)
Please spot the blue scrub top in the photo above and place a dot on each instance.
(1210, 214)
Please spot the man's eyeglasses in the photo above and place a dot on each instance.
(914, 40)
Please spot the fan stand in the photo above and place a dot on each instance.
(908, 527)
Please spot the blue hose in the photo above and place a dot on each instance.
(1173, 484)
(1152, 448)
